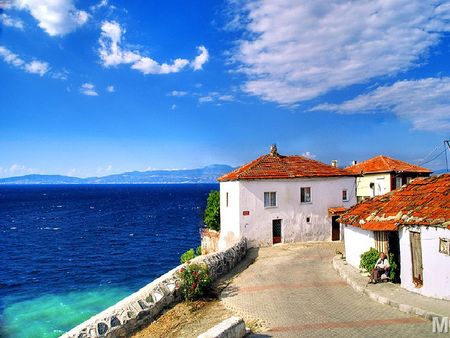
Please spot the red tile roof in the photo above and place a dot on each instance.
(275, 166)
(425, 201)
(381, 164)
(337, 210)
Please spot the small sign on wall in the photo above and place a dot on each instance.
(444, 246)
(246, 213)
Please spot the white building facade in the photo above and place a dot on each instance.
(418, 217)
(268, 211)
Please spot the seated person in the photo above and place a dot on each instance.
(381, 266)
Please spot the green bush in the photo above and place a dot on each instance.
(212, 211)
(193, 281)
(369, 259)
(394, 268)
(191, 254)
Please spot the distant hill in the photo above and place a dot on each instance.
(208, 174)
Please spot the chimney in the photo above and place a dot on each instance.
(354, 162)
(273, 150)
(334, 163)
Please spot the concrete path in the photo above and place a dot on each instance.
(295, 292)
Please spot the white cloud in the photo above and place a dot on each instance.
(177, 93)
(63, 75)
(55, 17)
(308, 155)
(173, 107)
(101, 4)
(35, 66)
(88, 89)
(10, 57)
(11, 22)
(110, 89)
(215, 97)
(16, 170)
(104, 170)
(294, 51)
(201, 58)
(112, 53)
(426, 103)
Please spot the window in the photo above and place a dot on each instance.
(270, 199)
(308, 219)
(226, 200)
(305, 195)
(408, 180)
(444, 246)
(344, 195)
(398, 182)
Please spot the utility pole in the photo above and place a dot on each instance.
(446, 145)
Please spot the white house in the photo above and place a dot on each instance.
(414, 224)
(283, 199)
(381, 174)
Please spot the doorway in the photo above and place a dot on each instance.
(276, 231)
(394, 248)
(335, 229)
(416, 258)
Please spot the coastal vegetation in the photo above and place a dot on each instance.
(190, 254)
(193, 281)
(212, 211)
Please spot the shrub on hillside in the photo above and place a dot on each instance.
(212, 211)
(193, 281)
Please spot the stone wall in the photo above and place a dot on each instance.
(144, 306)
(210, 241)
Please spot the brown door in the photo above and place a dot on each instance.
(276, 231)
(416, 257)
(335, 229)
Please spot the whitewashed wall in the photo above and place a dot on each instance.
(382, 183)
(357, 241)
(257, 226)
(229, 215)
(436, 266)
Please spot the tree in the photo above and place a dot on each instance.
(212, 211)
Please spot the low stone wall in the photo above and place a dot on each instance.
(144, 306)
(210, 241)
(233, 327)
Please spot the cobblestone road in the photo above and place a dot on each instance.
(294, 291)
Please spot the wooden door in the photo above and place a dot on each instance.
(416, 258)
(276, 231)
(335, 229)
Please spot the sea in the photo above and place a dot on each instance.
(68, 252)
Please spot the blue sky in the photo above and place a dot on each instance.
(99, 87)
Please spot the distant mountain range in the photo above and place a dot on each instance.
(208, 174)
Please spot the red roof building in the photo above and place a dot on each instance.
(382, 174)
(385, 164)
(276, 166)
(413, 225)
(282, 199)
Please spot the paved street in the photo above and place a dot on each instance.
(294, 291)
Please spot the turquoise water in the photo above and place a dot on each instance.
(69, 252)
(51, 315)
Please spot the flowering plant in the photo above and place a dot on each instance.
(193, 281)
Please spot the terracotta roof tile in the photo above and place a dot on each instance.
(275, 166)
(380, 164)
(337, 210)
(425, 201)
